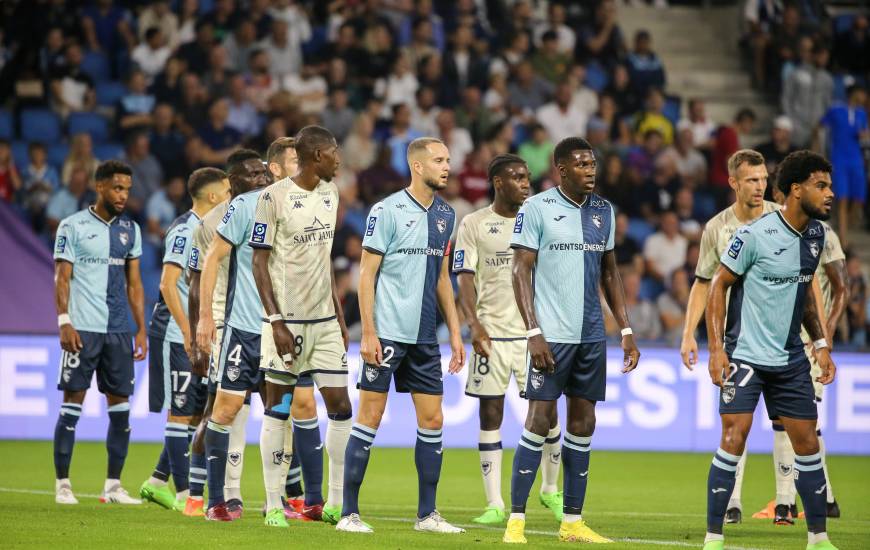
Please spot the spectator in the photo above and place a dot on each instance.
(807, 91)
(688, 162)
(779, 146)
(401, 134)
(380, 179)
(107, 28)
(641, 161)
(549, 62)
(81, 154)
(338, 117)
(658, 193)
(725, 144)
(69, 199)
(561, 117)
(462, 66)
(684, 207)
(472, 115)
(615, 184)
(602, 39)
(452, 195)
(147, 173)
(135, 107)
(596, 135)
(347, 49)
(761, 16)
(51, 55)
(196, 53)
(192, 111)
(473, 180)
(665, 250)
(652, 118)
(566, 38)
(152, 54)
(308, 88)
(528, 91)
(583, 97)
(423, 11)
(847, 124)
(162, 209)
(457, 140)
(422, 42)
(644, 66)
(39, 173)
(158, 15)
(537, 151)
(786, 39)
(515, 53)
(166, 143)
(239, 45)
(618, 133)
(359, 148)
(187, 21)
(215, 134)
(856, 310)
(702, 127)
(381, 53)
(621, 91)
(71, 89)
(399, 87)
(261, 84)
(672, 307)
(10, 180)
(242, 116)
(627, 251)
(217, 78)
(167, 85)
(852, 48)
(222, 18)
(644, 316)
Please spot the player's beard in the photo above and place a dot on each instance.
(815, 213)
(434, 184)
(110, 208)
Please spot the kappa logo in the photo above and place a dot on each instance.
(178, 245)
(485, 467)
(372, 372)
(297, 204)
(124, 238)
(180, 400)
(267, 197)
(494, 230)
(814, 249)
(537, 380)
(596, 219)
(258, 234)
(66, 375)
(728, 394)
(441, 224)
(370, 228)
(736, 246)
(233, 372)
(344, 360)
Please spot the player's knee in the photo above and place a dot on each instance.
(431, 420)
(77, 397)
(538, 423)
(337, 402)
(225, 412)
(370, 414)
(491, 414)
(805, 444)
(303, 408)
(733, 439)
(583, 427)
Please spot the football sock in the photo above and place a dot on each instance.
(810, 482)
(309, 447)
(118, 438)
(551, 459)
(575, 455)
(197, 474)
(175, 441)
(571, 518)
(272, 435)
(293, 483)
(356, 460)
(217, 441)
(720, 483)
(489, 445)
(161, 472)
(734, 502)
(525, 468)
(337, 434)
(783, 462)
(191, 431)
(829, 491)
(65, 438)
(236, 454)
(428, 456)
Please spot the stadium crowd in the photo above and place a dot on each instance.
(169, 87)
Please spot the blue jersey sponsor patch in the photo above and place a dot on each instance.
(60, 248)
(370, 229)
(736, 246)
(194, 258)
(178, 245)
(229, 213)
(518, 224)
(258, 235)
(459, 259)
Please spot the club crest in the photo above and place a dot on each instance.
(537, 379)
(233, 373)
(441, 224)
(814, 249)
(372, 372)
(555, 457)
(486, 467)
(124, 238)
(234, 458)
(596, 219)
(728, 394)
(477, 382)
(784, 469)
(180, 400)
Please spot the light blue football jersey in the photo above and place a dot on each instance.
(570, 240)
(413, 241)
(99, 252)
(774, 264)
(178, 244)
(244, 309)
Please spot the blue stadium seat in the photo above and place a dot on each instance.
(596, 77)
(650, 289)
(95, 65)
(57, 154)
(19, 153)
(40, 125)
(639, 230)
(107, 151)
(110, 92)
(92, 123)
(672, 109)
(7, 125)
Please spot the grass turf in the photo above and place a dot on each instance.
(644, 500)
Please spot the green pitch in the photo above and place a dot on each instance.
(644, 500)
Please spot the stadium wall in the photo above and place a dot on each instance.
(661, 406)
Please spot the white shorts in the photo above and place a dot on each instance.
(489, 377)
(319, 352)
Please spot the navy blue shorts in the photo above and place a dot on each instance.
(305, 380)
(416, 368)
(171, 384)
(110, 355)
(788, 391)
(239, 362)
(581, 371)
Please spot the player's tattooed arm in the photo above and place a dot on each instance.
(836, 272)
(611, 283)
(205, 328)
(468, 304)
(136, 297)
(339, 311)
(813, 322)
(524, 293)
(369, 346)
(69, 338)
(715, 319)
(198, 360)
(446, 302)
(284, 341)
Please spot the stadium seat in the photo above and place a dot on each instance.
(95, 65)
(110, 92)
(19, 153)
(639, 230)
(57, 154)
(107, 151)
(650, 289)
(672, 109)
(92, 123)
(7, 125)
(40, 125)
(596, 77)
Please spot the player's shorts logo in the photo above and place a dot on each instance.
(234, 458)
(477, 382)
(537, 379)
(178, 245)
(441, 224)
(784, 469)
(459, 259)
(372, 372)
(486, 467)
(370, 228)
(518, 224)
(67, 374)
(233, 373)
(124, 238)
(814, 249)
(596, 219)
(344, 360)
(728, 394)
(180, 400)
(736, 246)
(258, 235)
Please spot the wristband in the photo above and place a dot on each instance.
(821, 343)
(63, 319)
(275, 317)
(626, 331)
(533, 332)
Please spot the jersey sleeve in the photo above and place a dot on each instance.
(611, 238)
(265, 221)
(232, 225)
(64, 243)
(380, 229)
(136, 249)
(177, 244)
(465, 257)
(527, 228)
(708, 260)
(833, 250)
(740, 254)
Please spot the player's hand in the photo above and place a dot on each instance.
(689, 351)
(370, 349)
(199, 363)
(140, 345)
(631, 354)
(285, 343)
(70, 340)
(188, 349)
(457, 357)
(829, 370)
(480, 340)
(205, 334)
(542, 357)
(718, 367)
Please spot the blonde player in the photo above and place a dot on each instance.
(482, 263)
(304, 333)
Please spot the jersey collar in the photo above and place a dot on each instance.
(425, 209)
(788, 225)
(94, 214)
(571, 201)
